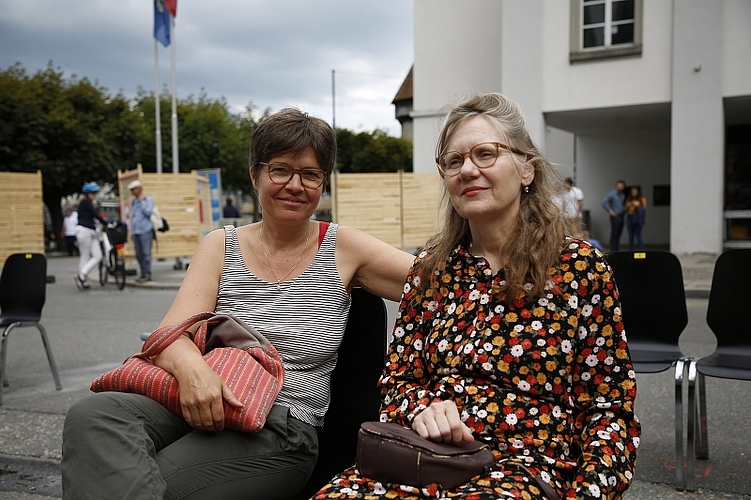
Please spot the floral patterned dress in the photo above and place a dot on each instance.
(551, 379)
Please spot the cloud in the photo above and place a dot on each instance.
(271, 53)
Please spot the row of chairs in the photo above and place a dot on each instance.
(655, 314)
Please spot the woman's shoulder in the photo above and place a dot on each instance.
(214, 239)
(581, 249)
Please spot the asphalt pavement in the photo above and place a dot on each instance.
(93, 331)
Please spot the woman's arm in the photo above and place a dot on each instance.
(604, 386)
(146, 205)
(368, 262)
(202, 391)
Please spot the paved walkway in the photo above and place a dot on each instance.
(93, 331)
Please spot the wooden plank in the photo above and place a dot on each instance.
(21, 213)
(398, 208)
(179, 201)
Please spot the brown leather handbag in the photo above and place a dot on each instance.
(391, 453)
(246, 361)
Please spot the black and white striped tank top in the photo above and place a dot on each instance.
(305, 321)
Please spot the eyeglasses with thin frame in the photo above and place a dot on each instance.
(483, 155)
(281, 173)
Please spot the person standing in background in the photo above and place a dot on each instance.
(86, 236)
(230, 211)
(70, 222)
(578, 193)
(636, 215)
(141, 228)
(566, 200)
(614, 204)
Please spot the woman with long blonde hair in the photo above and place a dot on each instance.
(509, 331)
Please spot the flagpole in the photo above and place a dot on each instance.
(175, 150)
(158, 138)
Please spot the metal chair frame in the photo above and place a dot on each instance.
(732, 356)
(27, 273)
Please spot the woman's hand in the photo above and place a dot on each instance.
(202, 396)
(441, 422)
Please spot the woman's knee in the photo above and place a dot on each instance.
(82, 411)
(88, 413)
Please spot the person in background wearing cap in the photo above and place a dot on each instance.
(141, 228)
(88, 241)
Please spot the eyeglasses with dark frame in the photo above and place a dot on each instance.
(281, 173)
(483, 155)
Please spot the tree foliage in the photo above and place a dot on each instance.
(209, 135)
(68, 128)
(372, 152)
(74, 131)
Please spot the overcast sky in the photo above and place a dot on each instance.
(273, 53)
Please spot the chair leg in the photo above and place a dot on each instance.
(690, 479)
(702, 443)
(50, 359)
(680, 367)
(3, 350)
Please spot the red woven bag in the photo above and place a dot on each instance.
(244, 358)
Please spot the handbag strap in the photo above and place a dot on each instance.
(163, 336)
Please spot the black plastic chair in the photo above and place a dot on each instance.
(23, 287)
(728, 301)
(654, 316)
(354, 396)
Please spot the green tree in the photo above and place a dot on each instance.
(68, 128)
(209, 135)
(74, 132)
(372, 152)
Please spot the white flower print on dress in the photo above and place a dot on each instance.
(587, 310)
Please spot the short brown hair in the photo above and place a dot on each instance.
(291, 131)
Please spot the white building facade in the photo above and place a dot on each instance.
(654, 92)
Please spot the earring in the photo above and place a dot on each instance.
(525, 190)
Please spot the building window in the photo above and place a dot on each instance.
(603, 29)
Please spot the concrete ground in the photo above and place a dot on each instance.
(94, 331)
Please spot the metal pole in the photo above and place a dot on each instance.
(175, 150)
(333, 99)
(158, 137)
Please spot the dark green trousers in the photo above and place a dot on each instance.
(127, 446)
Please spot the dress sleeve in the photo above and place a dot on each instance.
(606, 429)
(404, 383)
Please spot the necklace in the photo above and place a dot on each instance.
(268, 261)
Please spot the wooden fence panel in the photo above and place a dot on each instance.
(421, 193)
(371, 203)
(398, 208)
(183, 201)
(21, 214)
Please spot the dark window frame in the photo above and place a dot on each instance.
(578, 54)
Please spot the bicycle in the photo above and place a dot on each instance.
(112, 241)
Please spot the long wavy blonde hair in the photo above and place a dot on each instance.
(541, 226)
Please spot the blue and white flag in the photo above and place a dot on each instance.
(161, 22)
